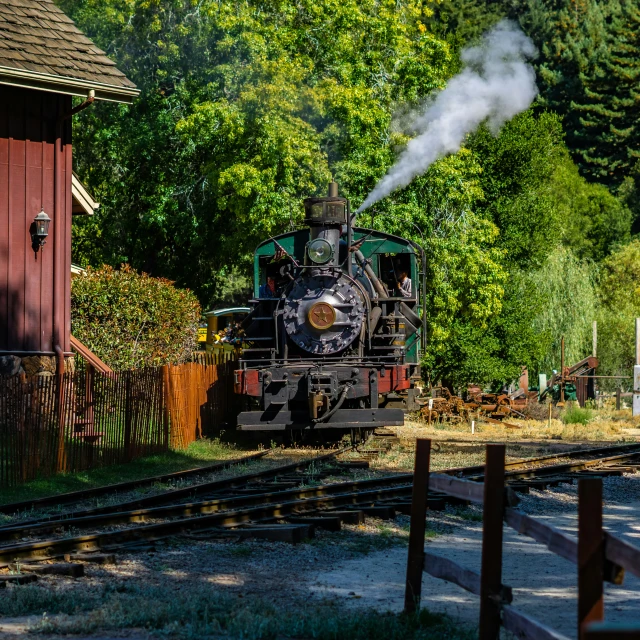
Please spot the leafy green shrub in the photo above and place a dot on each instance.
(132, 320)
(575, 414)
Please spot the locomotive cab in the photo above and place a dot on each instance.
(330, 338)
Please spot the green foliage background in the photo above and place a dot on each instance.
(249, 106)
(132, 320)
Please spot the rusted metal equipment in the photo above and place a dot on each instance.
(578, 379)
(497, 406)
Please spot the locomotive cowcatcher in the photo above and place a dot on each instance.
(332, 342)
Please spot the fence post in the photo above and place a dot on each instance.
(62, 457)
(22, 457)
(419, 496)
(636, 374)
(590, 553)
(618, 398)
(492, 524)
(127, 415)
(165, 403)
(88, 398)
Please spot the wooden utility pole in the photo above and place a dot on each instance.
(562, 371)
(636, 373)
(595, 339)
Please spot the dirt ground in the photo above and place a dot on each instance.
(361, 568)
(544, 585)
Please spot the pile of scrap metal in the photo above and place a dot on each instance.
(447, 407)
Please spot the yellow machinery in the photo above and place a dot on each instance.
(218, 323)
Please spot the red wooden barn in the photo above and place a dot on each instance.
(44, 61)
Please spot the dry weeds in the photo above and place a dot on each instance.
(605, 425)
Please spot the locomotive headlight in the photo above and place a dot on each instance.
(320, 251)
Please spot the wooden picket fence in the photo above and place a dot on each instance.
(69, 422)
(600, 556)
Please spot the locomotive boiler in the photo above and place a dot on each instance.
(333, 339)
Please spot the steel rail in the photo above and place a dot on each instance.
(56, 547)
(191, 491)
(577, 453)
(135, 507)
(194, 509)
(559, 469)
(84, 494)
(569, 467)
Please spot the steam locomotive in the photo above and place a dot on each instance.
(331, 340)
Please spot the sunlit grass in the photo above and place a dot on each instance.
(199, 611)
(197, 454)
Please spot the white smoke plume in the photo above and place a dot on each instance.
(495, 84)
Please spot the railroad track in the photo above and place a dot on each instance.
(124, 487)
(272, 504)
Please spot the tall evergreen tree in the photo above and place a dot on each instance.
(607, 140)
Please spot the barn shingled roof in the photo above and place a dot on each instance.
(40, 47)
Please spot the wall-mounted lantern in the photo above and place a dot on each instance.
(41, 230)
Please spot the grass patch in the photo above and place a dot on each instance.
(201, 612)
(470, 514)
(575, 414)
(572, 424)
(241, 551)
(198, 454)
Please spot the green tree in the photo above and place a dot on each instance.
(619, 298)
(517, 171)
(246, 108)
(132, 320)
(462, 21)
(593, 221)
(566, 291)
(494, 353)
(608, 138)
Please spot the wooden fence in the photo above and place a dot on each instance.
(599, 555)
(200, 397)
(70, 422)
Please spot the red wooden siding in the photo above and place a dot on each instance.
(35, 308)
